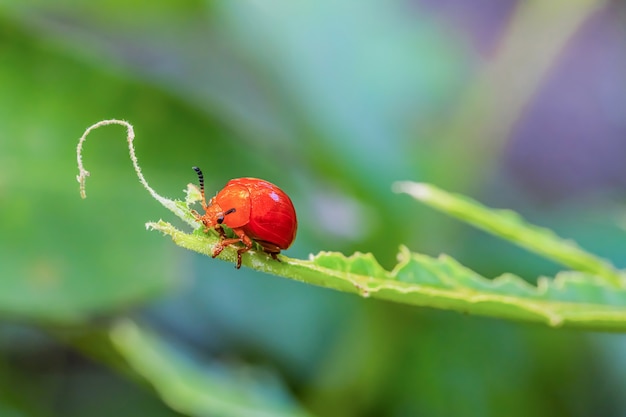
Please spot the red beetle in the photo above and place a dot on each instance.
(255, 210)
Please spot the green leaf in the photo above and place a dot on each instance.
(510, 225)
(575, 299)
(589, 298)
(197, 389)
(63, 260)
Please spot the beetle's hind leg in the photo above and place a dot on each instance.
(270, 248)
(274, 255)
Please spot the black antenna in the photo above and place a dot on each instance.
(201, 181)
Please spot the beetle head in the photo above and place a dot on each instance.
(213, 215)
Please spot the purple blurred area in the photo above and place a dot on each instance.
(571, 141)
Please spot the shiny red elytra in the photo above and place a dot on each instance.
(255, 210)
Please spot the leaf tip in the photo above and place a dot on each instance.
(192, 194)
(403, 255)
(81, 177)
(417, 190)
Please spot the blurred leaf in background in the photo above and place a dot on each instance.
(519, 104)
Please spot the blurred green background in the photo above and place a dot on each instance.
(519, 104)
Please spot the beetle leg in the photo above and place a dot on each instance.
(199, 218)
(221, 232)
(223, 243)
(271, 249)
(248, 245)
(274, 255)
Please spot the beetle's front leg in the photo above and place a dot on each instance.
(224, 242)
(221, 231)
